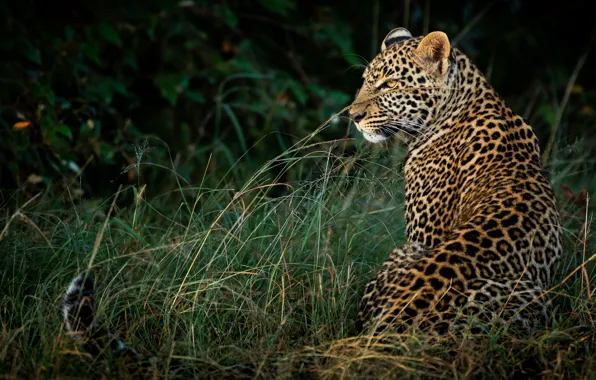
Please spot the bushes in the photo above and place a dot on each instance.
(82, 83)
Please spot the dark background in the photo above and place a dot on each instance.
(82, 82)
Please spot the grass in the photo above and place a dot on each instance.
(223, 273)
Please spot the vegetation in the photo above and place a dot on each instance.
(193, 156)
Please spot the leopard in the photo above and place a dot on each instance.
(483, 234)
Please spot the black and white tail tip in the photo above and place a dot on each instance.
(79, 305)
(78, 309)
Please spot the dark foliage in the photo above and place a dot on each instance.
(81, 82)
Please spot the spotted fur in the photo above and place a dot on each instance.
(483, 232)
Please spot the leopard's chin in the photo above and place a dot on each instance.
(375, 134)
(375, 137)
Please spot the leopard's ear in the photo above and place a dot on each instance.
(434, 50)
(396, 35)
(434, 47)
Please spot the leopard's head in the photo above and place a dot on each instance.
(404, 86)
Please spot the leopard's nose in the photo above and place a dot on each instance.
(357, 116)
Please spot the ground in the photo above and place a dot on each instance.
(223, 272)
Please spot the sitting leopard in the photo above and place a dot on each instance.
(483, 232)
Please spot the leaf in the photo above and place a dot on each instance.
(130, 59)
(87, 130)
(567, 192)
(34, 179)
(548, 113)
(43, 91)
(107, 153)
(229, 17)
(71, 165)
(109, 33)
(21, 124)
(63, 129)
(195, 96)
(298, 91)
(64, 104)
(91, 51)
(69, 33)
(54, 134)
(30, 52)
(281, 7)
(103, 89)
(578, 201)
(119, 87)
(578, 198)
(171, 86)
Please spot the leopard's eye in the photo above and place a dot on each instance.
(389, 84)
